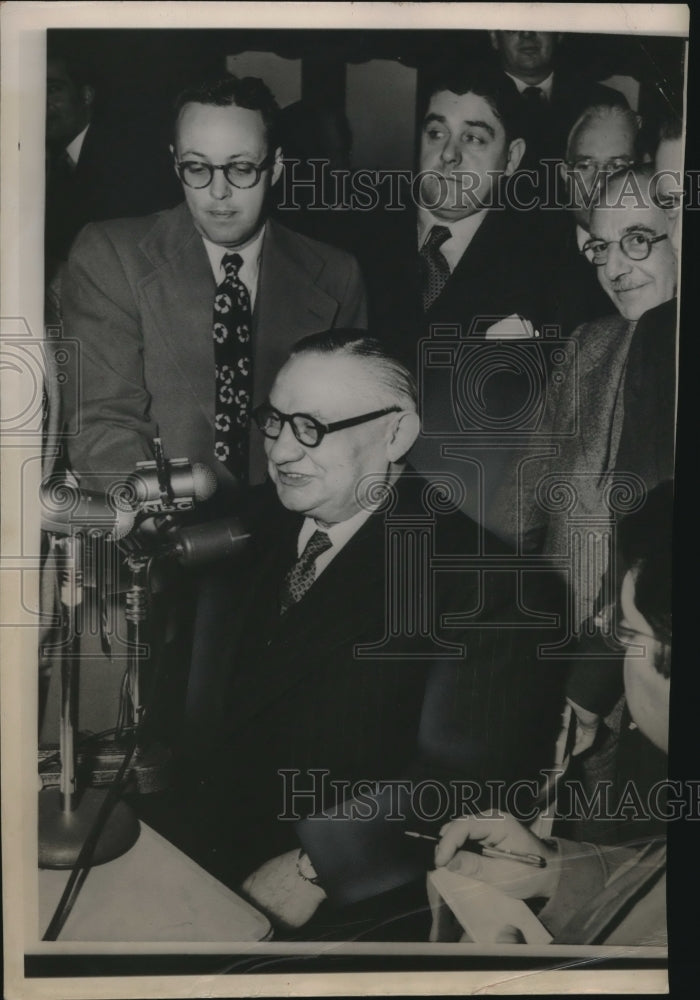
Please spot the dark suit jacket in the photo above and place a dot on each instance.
(609, 895)
(293, 691)
(121, 171)
(546, 133)
(505, 269)
(137, 295)
(474, 395)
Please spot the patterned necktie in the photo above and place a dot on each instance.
(303, 572)
(435, 268)
(234, 368)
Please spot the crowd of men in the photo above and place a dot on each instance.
(483, 386)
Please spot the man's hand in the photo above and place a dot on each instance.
(502, 831)
(278, 889)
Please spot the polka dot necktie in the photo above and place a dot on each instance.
(435, 269)
(303, 573)
(234, 368)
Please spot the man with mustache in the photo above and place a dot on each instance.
(609, 423)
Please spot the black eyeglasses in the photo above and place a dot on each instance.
(636, 246)
(241, 174)
(307, 430)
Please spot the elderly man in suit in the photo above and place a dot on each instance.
(608, 431)
(337, 666)
(184, 317)
(621, 380)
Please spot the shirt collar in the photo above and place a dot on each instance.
(75, 146)
(250, 254)
(462, 232)
(545, 86)
(339, 533)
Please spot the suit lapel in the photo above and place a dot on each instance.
(602, 402)
(341, 604)
(464, 289)
(289, 303)
(180, 295)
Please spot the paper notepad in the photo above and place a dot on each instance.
(484, 911)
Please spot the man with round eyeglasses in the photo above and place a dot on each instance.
(604, 140)
(611, 417)
(317, 676)
(184, 317)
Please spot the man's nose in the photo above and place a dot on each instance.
(451, 152)
(285, 448)
(617, 263)
(220, 187)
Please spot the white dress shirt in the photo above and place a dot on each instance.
(462, 231)
(339, 535)
(545, 86)
(250, 268)
(75, 146)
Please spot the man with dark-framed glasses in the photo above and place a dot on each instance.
(184, 317)
(331, 665)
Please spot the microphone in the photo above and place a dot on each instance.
(66, 510)
(183, 485)
(202, 544)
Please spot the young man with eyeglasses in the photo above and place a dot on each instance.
(184, 317)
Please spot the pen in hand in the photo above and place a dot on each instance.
(536, 860)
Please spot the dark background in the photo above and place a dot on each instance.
(140, 71)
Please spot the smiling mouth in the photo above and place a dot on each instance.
(292, 478)
(630, 288)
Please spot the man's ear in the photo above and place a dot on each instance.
(174, 156)
(277, 167)
(516, 151)
(673, 224)
(87, 94)
(495, 44)
(406, 428)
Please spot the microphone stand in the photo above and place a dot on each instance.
(67, 815)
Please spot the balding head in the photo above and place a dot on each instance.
(603, 141)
